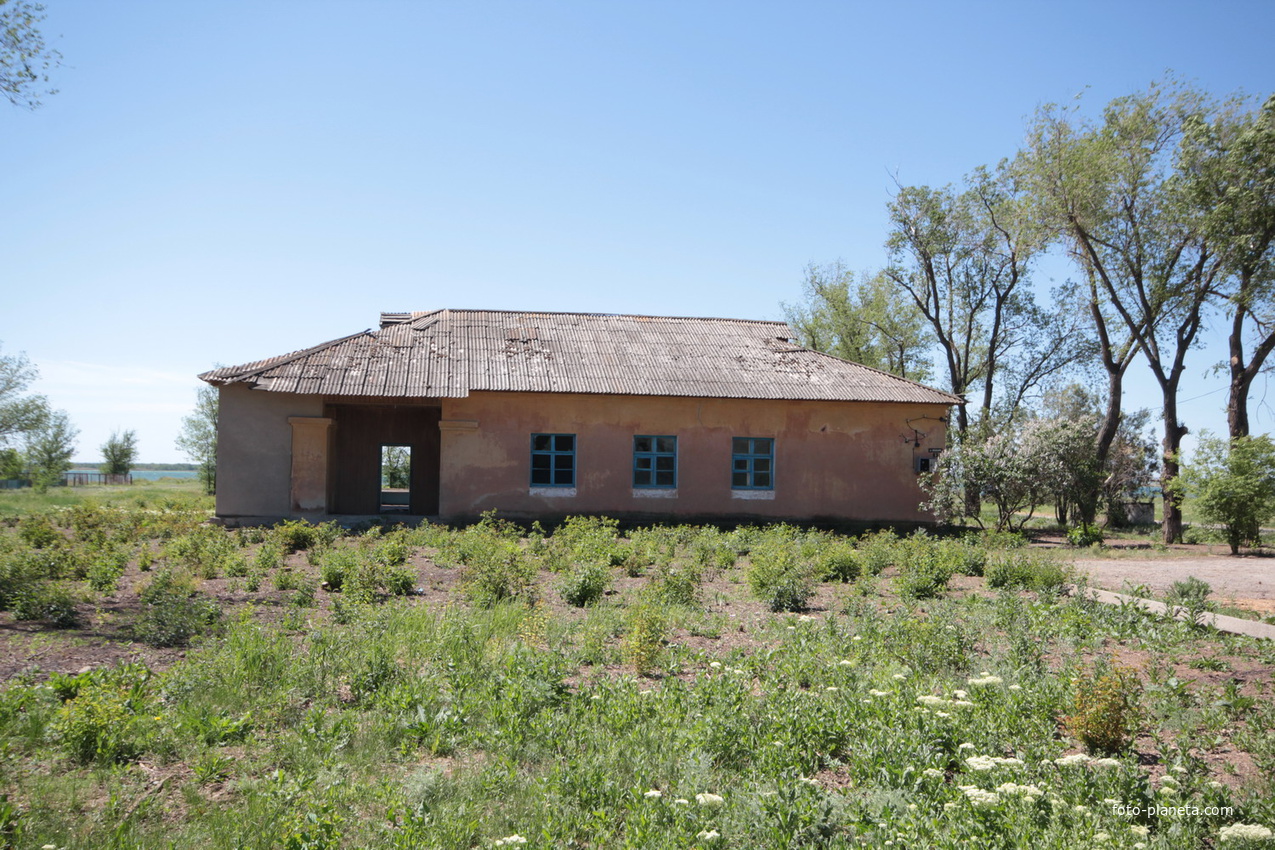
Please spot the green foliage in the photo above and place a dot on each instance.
(198, 437)
(106, 566)
(778, 575)
(644, 638)
(1232, 483)
(1105, 709)
(396, 467)
(119, 453)
(295, 535)
(839, 560)
(1022, 568)
(51, 601)
(49, 450)
(1189, 597)
(877, 551)
(174, 611)
(585, 583)
(37, 531)
(925, 567)
(108, 718)
(1084, 535)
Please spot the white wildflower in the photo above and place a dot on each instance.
(709, 835)
(857, 638)
(1105, 762)
(712, 801)
(933, 773)
(1015, 687)
(979, 798)
(806, 780)
(1179, 768)
(1244, 832)
(1169, 780)
(943, 714)
(1080, 810)
(1140, 830)
(985, 680)
(899, 677)
(876, 693)
(960, 694)
(716, 665)
(1072, 760)
(1213, 783)
(1102, 837)
(962, 702)
(653, 794)
(831, 690)
(965, 746)
(509, 841)
(981, 762)
(681, 801)
(931, 700)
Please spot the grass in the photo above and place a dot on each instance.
(647, 718)
(164, 493)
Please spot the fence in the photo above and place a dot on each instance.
(79, 479)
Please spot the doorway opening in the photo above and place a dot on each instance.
(396, 479)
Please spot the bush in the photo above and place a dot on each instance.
(1105, 709)
(37, 531)
(295, 535)
(105, 568)
(1084, 535)
(496, 568)
(1189, 597)
(1024, 569)
(675, 584)
(107, 718)
(840, 561)
(877, 551)
(174, 611)
(51, 601)
(644, 641)
(925, 568)
(778, 576)
(585, 584)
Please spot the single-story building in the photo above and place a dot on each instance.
(542, 415)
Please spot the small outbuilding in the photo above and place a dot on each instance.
(450, 413)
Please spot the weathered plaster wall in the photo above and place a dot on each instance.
(842, 461)
(254, 450)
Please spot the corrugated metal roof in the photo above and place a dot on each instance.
(450, 353)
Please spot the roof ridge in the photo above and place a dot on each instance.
(612, 315)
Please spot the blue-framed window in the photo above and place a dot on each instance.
(752, 463)
(553, 460)
(654, 461)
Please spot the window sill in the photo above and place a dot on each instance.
(753, 495)
(655, 492)
(553, 492)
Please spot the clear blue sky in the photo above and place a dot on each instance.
(220, 182)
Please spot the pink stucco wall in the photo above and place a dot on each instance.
(833, 460)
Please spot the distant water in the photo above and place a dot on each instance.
(151, 474)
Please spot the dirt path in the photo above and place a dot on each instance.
(1247, 582)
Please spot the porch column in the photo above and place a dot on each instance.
(310, 463)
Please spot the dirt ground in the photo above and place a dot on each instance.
(1247, 581)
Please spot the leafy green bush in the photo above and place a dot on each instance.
(877, 551)
(585, 583)
(1232, 483)
(644, 640)
(925, 567)
(107, 720)
(106, 566)
(496, 568)
(675, 584)
(295, 535)
(51, 601)
(1084, 535)
(1105, 709)
(840, 561)
(777, 574)
(37, 531)
(174, 611)
(1020, 568)
(1189, 597)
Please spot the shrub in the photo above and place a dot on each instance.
(37, 531)
(1189, 597)
(1084, 535)
(496, 569)
(877, 551)
(585, 584)
(1024, 569)
(924, 571)
(106, 720)
(840, 561)
(294, 535)
(778, 576)
(644, 640)
(675, 584)
(174, 611)
(1105, 709)
(51, 601)
(335, 565)
(105, 568)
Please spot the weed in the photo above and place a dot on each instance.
(585, 583)
(1105, 708)
(108, 718)
(1084, 535)
(1189, 598)
(174, 611)
(644, 641)
(777, 575)
(1020, 568)
(51, 601)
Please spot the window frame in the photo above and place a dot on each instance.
(553, 453)
(750, 458)
(653, 455)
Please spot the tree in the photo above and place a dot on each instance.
(396, 463)
(1140, 237)
(861, 320)
(198, 437)
(119, 453)
(964, 260)
(49, 450)
(1227, 166)
(1016, 470)
(25, 59)
(1232, 483)
(20, 414)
